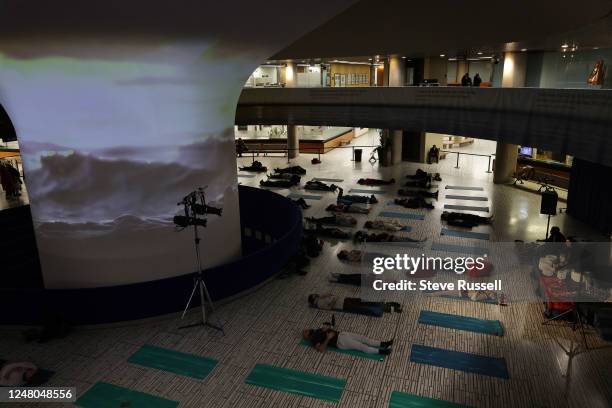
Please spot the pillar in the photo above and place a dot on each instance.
(293, 142)
(396, 74)
(291, 75)
(373, 68)
(506, 154)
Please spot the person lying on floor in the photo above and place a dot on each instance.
(354, 255)
(416, 202)
(336, 219)
(423, 183)
(291, 170)
(256, 166)
(355, 198)
(328, 232)
(464, 220)
(326, 336)
(319, 186)
(374, 182)
(362, 236)
(327, 301)
(391, 226)
(300, 202)
(17, 374)
(420, 174)
(418, 193)
(279, 176)
(293, 181)
(347, 208)
(474, 295)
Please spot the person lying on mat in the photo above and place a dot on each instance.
(374, 182)
(390, 226)
(416, 202)
(328, 232)
(326, 336)
(256, 166)
(355, 198)
(347, 208)
(291, 170)
(279, 176)
(362, 236)
(300, 202)
(418, 193)
(293, 181)
(464, 220)
(320, 186)
(336, 219)
(354, 255)
(423, 183)
(327, 301)
(17, 374)
(420, 174)
(474, 295)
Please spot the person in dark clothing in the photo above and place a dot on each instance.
(433, 155)
(256, 167)
(375, 182)
(355, 198)
(477, 80)
(347, 208)
(418, 193)
(326, 337)
(555, 236)
(415, 202)
(363, 236)
(300, 202)
(316, 185)
(300, 171)
(464, 220)
(241, 147)
(278, 176)
(327, 232)
(283, 183)
(336, 219)
(328, 301)
(466, 80)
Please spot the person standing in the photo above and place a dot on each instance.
(466, 80)
(477, 80)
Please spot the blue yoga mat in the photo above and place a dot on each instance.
(458, 322)
(331, 180)
(439, 246)
(465, 234)
(465, 207)
(469, 198)
(456, 360)
(407, 216)
(304, 196)
(366, 191)
(464, 188)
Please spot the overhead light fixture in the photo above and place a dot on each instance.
(403, 57)
(595, 48)
(523, 49)
(442, 55)
(369, 59)
(564, 45)
(479, 53)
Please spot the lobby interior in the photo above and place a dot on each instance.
(109, 320)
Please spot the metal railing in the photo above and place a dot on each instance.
(471, 154)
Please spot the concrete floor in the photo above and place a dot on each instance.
(264, 326)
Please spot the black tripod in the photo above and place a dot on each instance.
(192, 210)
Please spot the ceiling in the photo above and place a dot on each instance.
(373, 27)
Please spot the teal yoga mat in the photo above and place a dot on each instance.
(297, 382)
(361, 354)
(469, 198)
(458, 322)
(405, 400)
(457, 360)
(189, 365)
(331, 180)
(404, 215)
(439, 246)
(465, 207)
(366, 191)
(105, 395)
(304, 196)
(464, 188)
(465, 234)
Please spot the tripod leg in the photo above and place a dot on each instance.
(202, 303)
(190, 298)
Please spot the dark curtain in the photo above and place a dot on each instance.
(590, 194)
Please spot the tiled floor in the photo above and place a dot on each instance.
(264, 326)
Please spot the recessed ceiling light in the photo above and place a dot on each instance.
(442, 55)
(479, 53)
(404, 57)
(523, 49)
(369, 59)
(595, 48)
(564, 45)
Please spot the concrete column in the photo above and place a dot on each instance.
(386, 73)
(373, 74)
(397, 71)
(396, 146)
(291, 75)
(506, 155)
(293, 142)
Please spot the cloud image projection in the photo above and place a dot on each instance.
(112, 142)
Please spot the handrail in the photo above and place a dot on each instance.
(471, 154)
